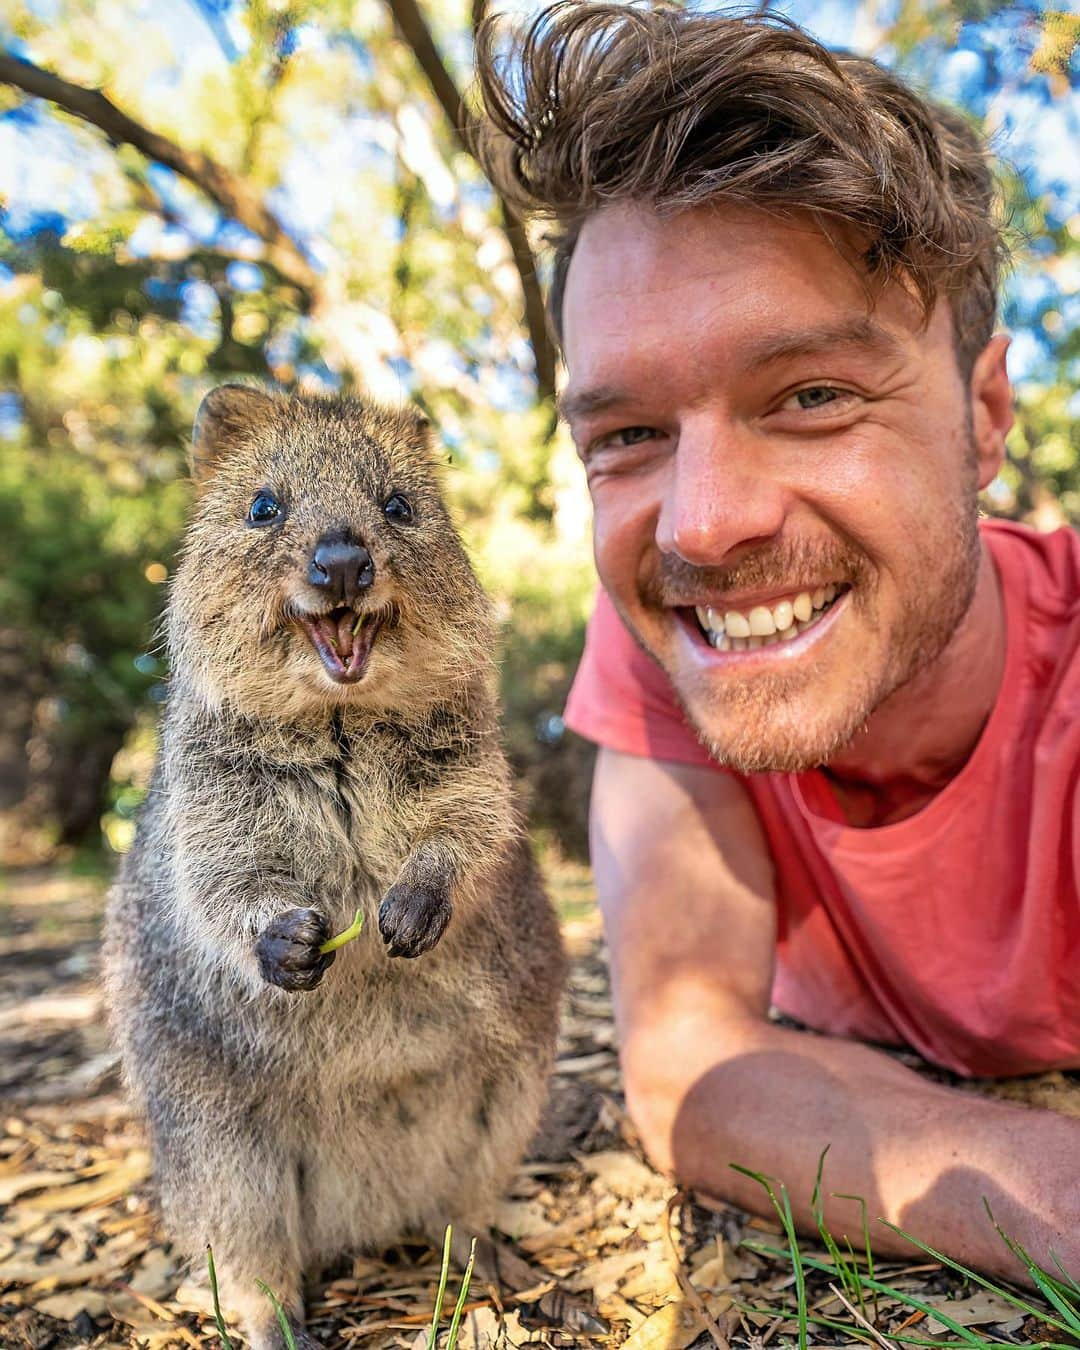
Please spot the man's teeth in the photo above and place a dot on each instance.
(732, 630)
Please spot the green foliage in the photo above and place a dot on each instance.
(349, 934)
(1042, 477)
(90, 510)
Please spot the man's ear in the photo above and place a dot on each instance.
(991, 407)
(225, 414)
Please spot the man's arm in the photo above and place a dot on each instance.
(685, 883)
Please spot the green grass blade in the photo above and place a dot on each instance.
(283, 1321)
(866, 1242)
(794, 1253)
(219, 1320)
(455, 1321)
(1064, 1295)
(436, 1316)
(849, 1278)
(800, 1274)
(968, 1337)
(1064, 1273)
(834, 1324)
(1019, 1303)
(1055, 1293)
(1049, 1287)
(840, 1195)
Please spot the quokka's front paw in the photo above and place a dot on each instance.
(288, 950)
(413, 918)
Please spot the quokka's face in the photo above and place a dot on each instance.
(320, 564)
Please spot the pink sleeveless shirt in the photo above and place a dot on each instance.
(956, 931)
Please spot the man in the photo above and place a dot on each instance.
(839, 717)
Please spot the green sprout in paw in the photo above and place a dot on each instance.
(347, 935)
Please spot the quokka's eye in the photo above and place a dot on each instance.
(398, 509)
(264, 509)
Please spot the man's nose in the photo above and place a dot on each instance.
(721, 495)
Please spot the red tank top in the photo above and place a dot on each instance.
(957, 930)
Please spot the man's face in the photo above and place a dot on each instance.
(782, 473)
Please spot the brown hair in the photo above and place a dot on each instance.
(601, 102)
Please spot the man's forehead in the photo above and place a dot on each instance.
(765, 287)
(710, 243)
(859, 334)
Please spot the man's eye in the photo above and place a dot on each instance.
(817, 396)
(623, 438)
(633, 435)
(265, 508)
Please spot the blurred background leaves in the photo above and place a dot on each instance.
(279, 189)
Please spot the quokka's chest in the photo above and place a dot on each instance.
(347, 824)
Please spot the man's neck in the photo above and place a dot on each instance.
(923, 735)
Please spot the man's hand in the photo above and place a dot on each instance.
(685, 883)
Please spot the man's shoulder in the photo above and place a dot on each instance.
(1045, 565)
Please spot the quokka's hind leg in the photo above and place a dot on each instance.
(235, 1187)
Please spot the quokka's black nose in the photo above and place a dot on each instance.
(341, 568)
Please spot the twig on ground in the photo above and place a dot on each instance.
(719, 1336)
(863, 1321)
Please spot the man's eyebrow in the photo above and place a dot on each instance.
(862, 332)
(586, 401)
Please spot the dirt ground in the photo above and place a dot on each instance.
(621, 1257)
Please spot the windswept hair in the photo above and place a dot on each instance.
(599, 102)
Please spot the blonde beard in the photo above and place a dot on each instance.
(772, 723)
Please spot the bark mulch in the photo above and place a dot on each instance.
(622, 1258)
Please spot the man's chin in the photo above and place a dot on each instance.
(769, 729)
(746, 757)
(776, 710)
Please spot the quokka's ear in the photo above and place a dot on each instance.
(422, 435)
(225, 414)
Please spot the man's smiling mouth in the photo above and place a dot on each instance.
(767, 625)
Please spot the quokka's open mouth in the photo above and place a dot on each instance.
(343, 638)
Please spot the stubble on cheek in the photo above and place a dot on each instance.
(789, 721)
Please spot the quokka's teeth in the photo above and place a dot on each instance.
(345, 635)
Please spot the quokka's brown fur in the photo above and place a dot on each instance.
(294, 1115)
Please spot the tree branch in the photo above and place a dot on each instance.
(414, 29)
(235, 197)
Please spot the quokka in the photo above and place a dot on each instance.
(330, 743)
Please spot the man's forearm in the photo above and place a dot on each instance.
(921, 1155)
